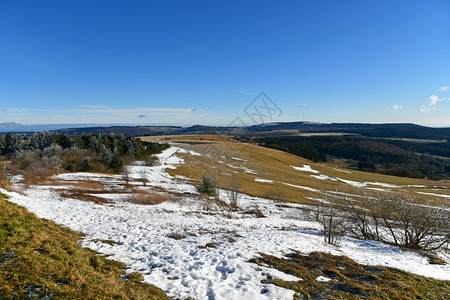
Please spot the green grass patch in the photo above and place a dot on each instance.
(350, 280)
(39, 258)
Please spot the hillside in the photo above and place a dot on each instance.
(417, 158)
(270, 244)
(267, 172)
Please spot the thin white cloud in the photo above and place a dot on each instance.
(443, 88)
(425, 109)
(137, 111)
(434, 100)
(15, 110)
(397, 107)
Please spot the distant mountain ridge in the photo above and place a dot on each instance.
(387, 130)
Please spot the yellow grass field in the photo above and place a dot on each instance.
(269, 173)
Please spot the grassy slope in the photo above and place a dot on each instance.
(276, 165)
(350, 280)
(41, 258)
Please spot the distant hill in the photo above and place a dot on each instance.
(127, 130)
(401, 130)
(393, 130)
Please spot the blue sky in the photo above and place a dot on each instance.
(204, 62)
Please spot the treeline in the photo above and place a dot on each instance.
(399, 158)
(51, 153)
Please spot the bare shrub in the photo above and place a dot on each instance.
(151, 161)
(362, 221)
(398, 219)
(149, 198)
(255, 211)
(51, 158)
(143, 177)
(414, 225)
(329, 215)
(36, 173)
(214, 204)
(234, 188)
(24, 158)
(75, 160)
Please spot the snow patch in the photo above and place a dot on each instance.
(343, 171)
(263, 180)
(323, 177)
(323, 279)
(237, 158)
(301, 187)
(193, 153)
(306, 168)
(434, 194)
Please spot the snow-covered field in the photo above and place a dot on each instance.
(166, 242)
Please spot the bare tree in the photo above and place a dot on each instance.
(396, 218)
(234, 188)
(143, 176)
(330, 217)
(362, 221)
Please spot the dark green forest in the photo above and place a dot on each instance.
(391, 157)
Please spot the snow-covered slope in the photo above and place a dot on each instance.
(166, 242)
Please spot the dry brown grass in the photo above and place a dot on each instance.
(36, 175)
(276, 165)
(83, 197)
(215, 204)
(349, 280)
(6, 184)
(81, 185)
(89, 185)
(149, 198)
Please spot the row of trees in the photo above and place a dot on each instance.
(50, 153)
(391, 217)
